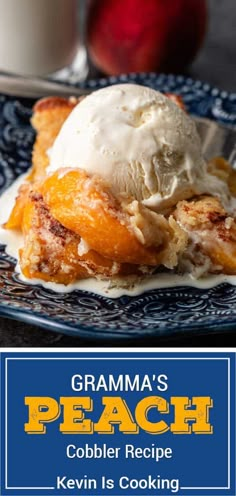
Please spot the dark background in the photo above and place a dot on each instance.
(216, 64)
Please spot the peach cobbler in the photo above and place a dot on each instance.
(119, 188)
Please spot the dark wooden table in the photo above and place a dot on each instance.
(216, 65)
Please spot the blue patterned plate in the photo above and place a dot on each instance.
(160, 312)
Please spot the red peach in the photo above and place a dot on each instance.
(145, 35)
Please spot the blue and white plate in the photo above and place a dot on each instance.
(159, 312)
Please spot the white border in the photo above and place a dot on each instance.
(114, 358)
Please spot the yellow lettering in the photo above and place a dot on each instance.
(74, 416)
(199, 415)
(141, 414)
(42, 409)
(190, 415)
(116, 411)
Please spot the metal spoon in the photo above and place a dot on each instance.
(36, 87)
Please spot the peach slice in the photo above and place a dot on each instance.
(50, 251)
(46, 253)
(85, 206)
(16, 216)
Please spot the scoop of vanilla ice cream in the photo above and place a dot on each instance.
(141, 143)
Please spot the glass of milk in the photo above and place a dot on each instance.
(38, 37)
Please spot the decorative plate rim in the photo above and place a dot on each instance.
(88, 333)
(153, 75)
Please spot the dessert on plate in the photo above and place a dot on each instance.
(119, 190)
